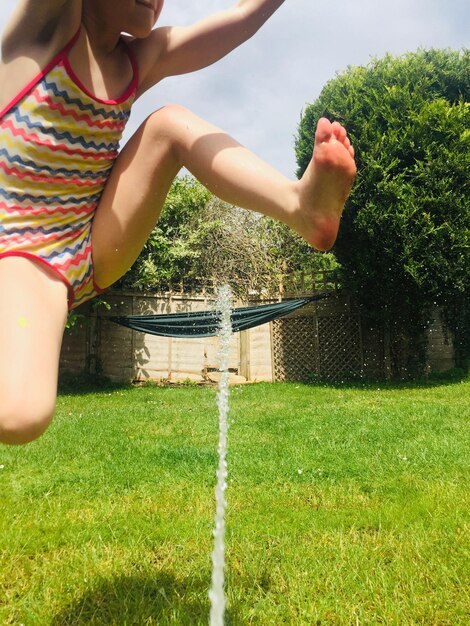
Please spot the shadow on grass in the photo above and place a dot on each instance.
(71, 384)
(450, 377)
(142, 599)
(83, 384)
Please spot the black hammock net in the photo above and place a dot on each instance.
(206, 323)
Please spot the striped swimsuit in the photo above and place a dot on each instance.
(58, 144)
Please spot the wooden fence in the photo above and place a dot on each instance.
(327, 339)
(98, 345)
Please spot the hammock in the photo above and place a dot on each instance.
(206, 323)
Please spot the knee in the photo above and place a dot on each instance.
(169, 123)
(169, 115)
(21, 422)
(174, 128)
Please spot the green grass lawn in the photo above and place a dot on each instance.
(347, 505)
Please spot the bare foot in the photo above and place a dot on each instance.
(325, 185)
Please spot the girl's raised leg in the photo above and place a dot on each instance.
(173, 137)
(33, 312)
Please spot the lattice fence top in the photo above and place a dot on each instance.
(339, 347)
(295, 348)
(319, 344)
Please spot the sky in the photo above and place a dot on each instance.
(258, 92)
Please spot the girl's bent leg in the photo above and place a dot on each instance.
(173, 137)
(33, 312)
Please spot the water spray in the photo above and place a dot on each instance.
(216, 593)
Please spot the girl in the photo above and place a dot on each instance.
(75, 213)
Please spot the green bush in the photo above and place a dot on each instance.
(403, 244)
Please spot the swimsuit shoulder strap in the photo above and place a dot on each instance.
(52, 63)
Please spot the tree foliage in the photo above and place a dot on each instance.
(174, 244)
(235, 250)
(404, 238)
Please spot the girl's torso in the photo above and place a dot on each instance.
(58, 142)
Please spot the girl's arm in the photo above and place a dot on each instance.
(169, 51)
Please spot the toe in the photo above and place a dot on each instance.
(324, 130)
(338, 131)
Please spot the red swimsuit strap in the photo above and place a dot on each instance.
(58, 57)
(127, 93)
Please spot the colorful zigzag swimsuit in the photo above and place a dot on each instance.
(58, 144)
